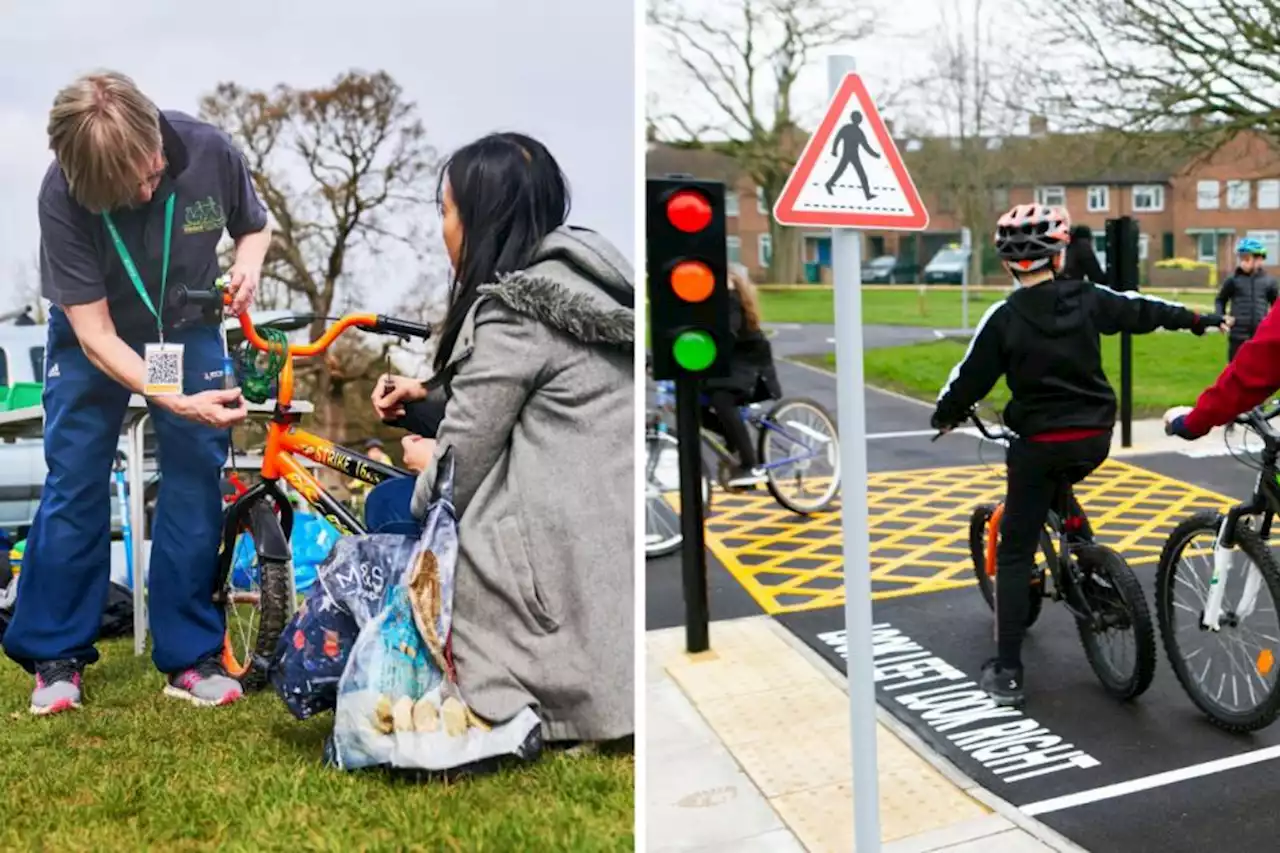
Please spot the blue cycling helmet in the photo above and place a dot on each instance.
(1251, 246)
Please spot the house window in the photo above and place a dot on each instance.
(1148, 197)
(731, 202)
(1052, 196)
(1238, 195)
(1099, 199)
(914, 145)
(1207, 193)
(761, 207)
(733, 246)
(1269, 195)
(764, 249)
(1207, 248)
(1144, 246)
(1000, 198)
(1100, 249)
(1269, 239)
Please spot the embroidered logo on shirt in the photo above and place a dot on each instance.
(54, 372)
(203, 216)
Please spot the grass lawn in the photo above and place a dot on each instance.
(902, 307)
(134, 770)
(1169, 368)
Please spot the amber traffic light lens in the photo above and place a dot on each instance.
(692, 281)
(689, 211)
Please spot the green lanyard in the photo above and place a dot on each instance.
(132, 270)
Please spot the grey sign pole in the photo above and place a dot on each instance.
(846, 263)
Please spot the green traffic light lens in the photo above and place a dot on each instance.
(694, 351)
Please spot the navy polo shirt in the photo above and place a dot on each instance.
(214, 193)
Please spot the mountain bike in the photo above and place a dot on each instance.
(797, 446)
(258, 602)
(1242, 693)
(1094, 582)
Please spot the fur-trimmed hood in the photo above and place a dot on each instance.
(578, 284)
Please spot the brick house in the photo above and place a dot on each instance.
(1189, 203)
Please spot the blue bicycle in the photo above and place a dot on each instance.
(797, 447)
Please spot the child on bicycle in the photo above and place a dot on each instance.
(1249, 291)
(1044, 339)
(751, 379)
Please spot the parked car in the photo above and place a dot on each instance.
(947, 266)
(883, 270)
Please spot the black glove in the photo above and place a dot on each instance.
(1178, 427)
(1206, 321)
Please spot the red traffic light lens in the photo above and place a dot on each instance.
(692, 281)
(689, 211)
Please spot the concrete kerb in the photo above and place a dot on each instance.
(939, 762)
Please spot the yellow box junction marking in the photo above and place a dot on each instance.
(919, 526)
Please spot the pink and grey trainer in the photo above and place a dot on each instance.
(206, 684)
(57, 687)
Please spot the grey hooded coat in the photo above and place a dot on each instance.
(541, 416)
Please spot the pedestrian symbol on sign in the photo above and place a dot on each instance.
(854, 140)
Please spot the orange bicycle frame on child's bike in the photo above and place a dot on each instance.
(263, 510)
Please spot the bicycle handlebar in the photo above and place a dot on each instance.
(1002, 435)
(376, 323)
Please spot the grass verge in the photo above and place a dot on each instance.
(134, 770)
(1169, 368)
(939, 309)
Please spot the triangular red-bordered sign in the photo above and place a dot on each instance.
(826, 190)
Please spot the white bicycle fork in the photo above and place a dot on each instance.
(1222, 564)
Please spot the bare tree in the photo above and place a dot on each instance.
(1194, 65)
(366, 163)
(966, 94)
(744, 58)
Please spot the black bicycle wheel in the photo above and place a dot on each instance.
(255, 614)
(978, 521)
(1264, 704)
(813, 493)
(1113, 592)
(662, 520)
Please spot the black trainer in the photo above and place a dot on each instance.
(1003, 685)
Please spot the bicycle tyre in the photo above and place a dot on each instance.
(273, 609)
(671, 545)
(1260, 555)
(978, 521)
(762, 440)
(1101, 559)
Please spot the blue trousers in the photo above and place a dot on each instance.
(386, 509)
(66, 569)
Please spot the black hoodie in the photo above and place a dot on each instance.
(1045, 340)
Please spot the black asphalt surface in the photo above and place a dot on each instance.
(1071, 737)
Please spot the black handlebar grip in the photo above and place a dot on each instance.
(392, 326)
(203, 298)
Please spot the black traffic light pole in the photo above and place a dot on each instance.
(693, 553)
(686, 259)
(1122, 273)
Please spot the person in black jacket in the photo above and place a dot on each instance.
(1044, 339)
(1082, 261)
(1249, 291)
(751, 378)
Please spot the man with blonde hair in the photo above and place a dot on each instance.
(133, 206)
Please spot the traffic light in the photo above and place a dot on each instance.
(1122, 253)
(688, 269)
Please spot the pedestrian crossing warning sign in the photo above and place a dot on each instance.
(850, 174)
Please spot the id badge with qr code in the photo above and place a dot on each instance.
(164, 370)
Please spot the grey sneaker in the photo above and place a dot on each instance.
(57, 687)
(206, 684)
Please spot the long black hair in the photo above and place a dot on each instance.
(510, 194)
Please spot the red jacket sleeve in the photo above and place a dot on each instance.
(1247, 381)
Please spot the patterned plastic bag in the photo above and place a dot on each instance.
(398, 702)
(315, 645)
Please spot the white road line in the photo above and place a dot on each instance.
(1146, 783)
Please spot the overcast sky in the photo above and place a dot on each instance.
(559, 70)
